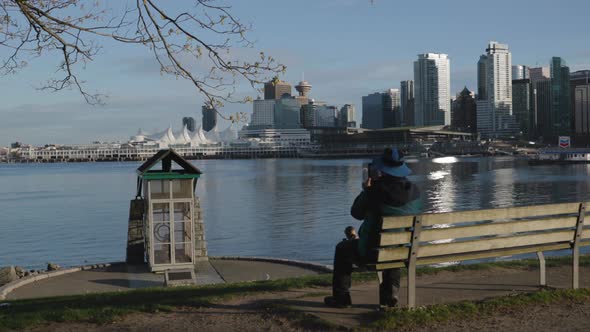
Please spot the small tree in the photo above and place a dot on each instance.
(203, 33)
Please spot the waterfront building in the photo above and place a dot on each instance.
(209, 117)
(263, 114)
(560, 98)
(303, 88)
(318, 114)
(276, 137)
(582, 109)
(276, 88)
(372, 116)
(539, 73)
(464, 112)
(287, 113)
(522, 105)
(346, 117)
(407, 103)
(326, 116)
(579, 100)
(482, 77)
(580, 77)
(381, 110)
(432, 85)
(520, 72)
(391, 111)
(498, 89)
(542, 108)
(484, 118)
(189, 122)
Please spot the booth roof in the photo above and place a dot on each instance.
(167, 155)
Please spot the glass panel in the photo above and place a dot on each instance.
(160, 189)
(182, 211)
(162, 254)
(161, 232)
(161, 212)
(182, 188)
(183, 253)
(182, 232)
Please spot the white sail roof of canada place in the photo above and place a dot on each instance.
(185, 136)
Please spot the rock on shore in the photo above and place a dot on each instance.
(53, 267)
(7, 274)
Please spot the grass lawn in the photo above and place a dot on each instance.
(105, 307)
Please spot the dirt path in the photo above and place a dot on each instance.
(261, 312)
(565, 316)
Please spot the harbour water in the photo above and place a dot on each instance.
(76, 213)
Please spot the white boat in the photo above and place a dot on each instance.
(560, 156)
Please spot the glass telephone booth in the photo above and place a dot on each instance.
(170, 199)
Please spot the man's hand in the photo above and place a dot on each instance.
(367, 184)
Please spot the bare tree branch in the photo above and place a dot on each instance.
(183, 42)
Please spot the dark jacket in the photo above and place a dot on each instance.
(387, 196)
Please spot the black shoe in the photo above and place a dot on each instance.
(389, 303)
(332, 301)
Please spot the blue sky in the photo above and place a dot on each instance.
(346, 48)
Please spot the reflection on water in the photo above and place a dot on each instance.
(445, 160)
(298, 209)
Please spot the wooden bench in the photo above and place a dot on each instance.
(409, 241)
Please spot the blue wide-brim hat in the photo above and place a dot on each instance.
(392, 163)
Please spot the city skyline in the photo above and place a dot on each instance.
(356, 65)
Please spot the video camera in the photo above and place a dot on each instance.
(369, 172)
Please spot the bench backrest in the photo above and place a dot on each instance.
(458, 236)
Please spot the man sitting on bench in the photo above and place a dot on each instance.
(386, 192)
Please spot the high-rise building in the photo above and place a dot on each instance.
(580, 77)
(482, 80)
(391, 111)
(560, 98)
(263, 114)
(522, 106)
(276, 88)
(432, 85)
(542, 107)
(372, 116)
(464, 112)
(209, 117)
(498, 90)
(579, 100)
(539, 73)
(582, 109)
(407, 103)
(520, 72)
(303, 88)
(189, 122)
(318, 115)
(346, 118)
(541, 100)
(287, 113)
(381, 110)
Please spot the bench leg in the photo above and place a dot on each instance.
(412, 284)
(542, 270)
(380, 277)
(575, 267)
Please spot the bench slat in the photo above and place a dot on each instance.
(493, 253)
(499, 228)
(428, 250)
(397, 222)
(477, 255)
(504, 213)
(394, 238)
(392, 254)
